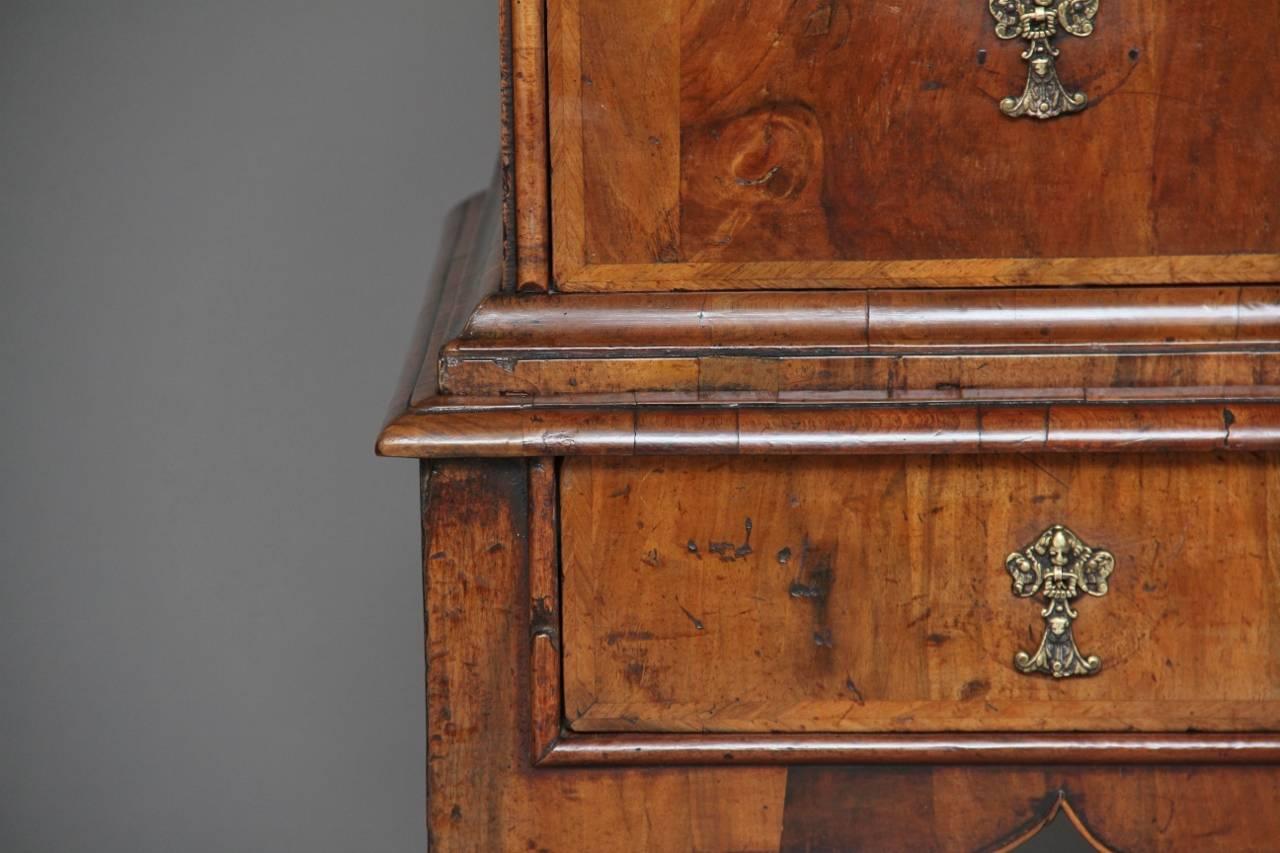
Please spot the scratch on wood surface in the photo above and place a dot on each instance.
(697, 623)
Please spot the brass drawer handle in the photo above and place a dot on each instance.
(1038, 21)
(1061, 568)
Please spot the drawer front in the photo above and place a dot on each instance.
(877, 594)
(709, 144)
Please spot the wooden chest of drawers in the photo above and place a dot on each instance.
(852, 426)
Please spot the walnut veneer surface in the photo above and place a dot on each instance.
(744, 395)
(868, 593)
(775, 144)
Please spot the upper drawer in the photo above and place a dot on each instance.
(703, 144)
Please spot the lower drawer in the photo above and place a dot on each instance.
(921, 594)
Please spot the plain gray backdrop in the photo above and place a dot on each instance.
(216, 222)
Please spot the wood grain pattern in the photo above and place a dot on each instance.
(545, 672)
(473, 561)
(910, 159)
(507, 144)
(853, 145)
(485, 794)
(947, 809)
(503, 429)
(529, 132)
(568, 189)
(954, 272)
(1082, 344)
(870, 595)
(626, 124)
(763, 379)
(785, 507)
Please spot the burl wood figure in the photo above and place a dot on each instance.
(826, 447)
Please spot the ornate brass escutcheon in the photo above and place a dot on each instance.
(1061, 568)
(1038, 21)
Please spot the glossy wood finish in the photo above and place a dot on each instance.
(494, 696)
(699, 146)
(622, 427)
(486, 794)
(939, 332)
(786, 376)
(576, 749)
(529, 139)
(858, 594)
(1016, 319)
(620, 750)
(1083, 344)
(546, 650)
(957, 273)
(832, 372)
(951, 809)
(862, 133)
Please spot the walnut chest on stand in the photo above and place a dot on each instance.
(854, 426)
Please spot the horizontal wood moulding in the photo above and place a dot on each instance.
(639, 750)
(1113, 343)
(1029, 317)
(800, 378)
(454, 429)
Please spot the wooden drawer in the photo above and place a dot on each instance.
(871, 594)
(699, 144)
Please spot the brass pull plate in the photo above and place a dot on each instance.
(1038, 22)
(1060, 567)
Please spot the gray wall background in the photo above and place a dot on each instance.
(216, 222)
